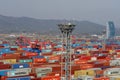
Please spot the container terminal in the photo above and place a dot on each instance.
(67, 57)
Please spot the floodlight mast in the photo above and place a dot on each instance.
(66, 30)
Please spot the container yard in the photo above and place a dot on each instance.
(60, 59)
(89, 61)
(59, 39)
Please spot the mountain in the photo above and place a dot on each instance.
(25, 24)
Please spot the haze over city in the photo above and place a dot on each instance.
(99, 11)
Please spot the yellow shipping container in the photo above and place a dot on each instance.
(78, 73)
(116, 77)
(11, 61)
(90, 72)
(84, 72)
(75, 74)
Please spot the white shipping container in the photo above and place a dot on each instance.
(43, 70)
(14, 73)
(93, 58)
(115, 62)
(95, 69)
(24, 69)
(112, 71)
(53, 61)
(41, 74)
(85, 77)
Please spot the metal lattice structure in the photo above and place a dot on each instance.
(66, 30)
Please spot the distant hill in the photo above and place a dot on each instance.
(10, 24)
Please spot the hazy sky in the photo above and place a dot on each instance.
(99, 11)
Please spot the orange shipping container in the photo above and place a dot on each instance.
(39, 60)
(86, 66)
(80, 62)
(31, 54)
(51, 78)
(55, 73)
(54, 58)
(101, 78)
(11, 56)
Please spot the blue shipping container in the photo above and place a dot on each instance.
(15, 66)
(3, 72)
(20, 78)
(38, 57)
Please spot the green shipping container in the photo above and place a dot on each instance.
(25, 60)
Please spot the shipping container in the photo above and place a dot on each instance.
(20, 78)
(43, 70)
(24, 69)
(84, 72)
(86, 66)
(4, 72)
(85, 77)
(14, 73)
(102, 78)
(9, 61)
(11, 56)
(25, 61)
(116, 77)
(40, 75)
(37, 57)
(39, 60)
(115, 62)
(51, 78)
(80, 62)
(112, 71)
(5, 66)
(30, 54)
(22, 65)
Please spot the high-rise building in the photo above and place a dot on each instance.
(110, 31)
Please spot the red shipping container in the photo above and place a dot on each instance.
(51, 78)
(1, 46)
(95, 46)
(24, 57)
(101, 78)
(39, 60)
(36, 64)
(3, 77)
(118, 50)
(13, 49)
(54, 58)
(85, 58)
(47, 54)
(75, 67)
(98, 65)
(55, 73)
(5, 66)
(86, 66)
(105, 51)
(56, 68)
(11, 56)
(19, 51)
(80, 62)
(31, 54)
(36, 79)
(1, 63)
(33, 75)
(101, 57)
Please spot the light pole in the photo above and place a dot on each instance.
(66, 30)
(104, 39)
